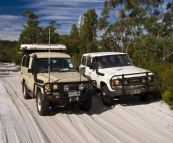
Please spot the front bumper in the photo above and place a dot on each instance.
(62, 96)
(132, 84)
(134, 91)
(59, 98)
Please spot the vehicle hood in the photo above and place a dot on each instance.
(61, 77)
(123, 70)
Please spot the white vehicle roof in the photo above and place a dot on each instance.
(102, 54)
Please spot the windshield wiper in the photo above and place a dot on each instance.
(56, 80)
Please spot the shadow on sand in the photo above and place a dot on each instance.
(98, 107)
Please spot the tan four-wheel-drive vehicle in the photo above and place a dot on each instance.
(49, 75)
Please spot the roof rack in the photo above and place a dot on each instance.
(30, 48)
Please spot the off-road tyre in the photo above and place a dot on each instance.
(107, 101)
(25, 94)
(146, 97)
(86, 105)
(42, 105)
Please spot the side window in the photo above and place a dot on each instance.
(27, 61)
(83, 60)
(89, 63)
(93, 59)
(23, 61)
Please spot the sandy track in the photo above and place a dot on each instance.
(129, 120)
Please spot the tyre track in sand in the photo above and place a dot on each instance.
(127, 121)
(25, 127)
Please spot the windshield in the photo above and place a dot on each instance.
(56, 64)
(114, 61)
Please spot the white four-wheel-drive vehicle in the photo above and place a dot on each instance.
(116, 76)
(49, 75)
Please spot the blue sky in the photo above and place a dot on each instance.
(64, 12)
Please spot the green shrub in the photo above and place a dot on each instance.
(167, 96)
(164, 79)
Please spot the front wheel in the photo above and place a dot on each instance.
(146, 97)
(42, 105)
(86, 105)
(107, 101)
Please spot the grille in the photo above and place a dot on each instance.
(136, 80)
(74, 86)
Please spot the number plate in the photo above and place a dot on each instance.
(75, 93)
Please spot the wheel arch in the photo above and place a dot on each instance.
(102, 83)
(36, 90)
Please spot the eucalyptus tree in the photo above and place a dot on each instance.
(50, 33)
(122, 19)
(75, 44)
(89, 31)
(32, 30)
(131, 22)
(159, 31)
(74, 41)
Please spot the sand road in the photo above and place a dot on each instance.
(128, 121)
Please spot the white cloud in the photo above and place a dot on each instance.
(64, 12)
(10, 27)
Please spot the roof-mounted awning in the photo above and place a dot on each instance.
(41, 48)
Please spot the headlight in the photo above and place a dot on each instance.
(89, 85)
(55, 86)
(81, 87)
(94, 83)
(126, 82)
(143, 80)
(117, 82)
(47, 86)
(149, 78)
(66, 88)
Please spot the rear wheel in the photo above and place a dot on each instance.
(25, 94)
(107, 101)
(146, 97)
(42, 105)
(86, 105)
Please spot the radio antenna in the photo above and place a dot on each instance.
(49, 57)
